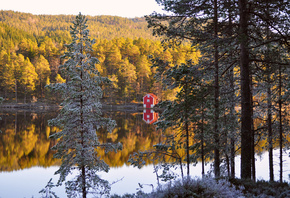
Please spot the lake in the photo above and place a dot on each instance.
(27, 163)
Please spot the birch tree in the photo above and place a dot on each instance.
(80, 117)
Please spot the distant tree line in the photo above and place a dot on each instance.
(57, 26)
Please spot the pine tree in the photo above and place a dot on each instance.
(42, 68)
(80, 117)
(203, 30)
(234, 29)
(182, 114)
(7, 81)
(28, 78)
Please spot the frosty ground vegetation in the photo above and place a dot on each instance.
(192, 188)
(208, 187)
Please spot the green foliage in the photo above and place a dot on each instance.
(80, 117)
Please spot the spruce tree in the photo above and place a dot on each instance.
(80, 117)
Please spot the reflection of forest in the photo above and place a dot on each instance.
(25, 139)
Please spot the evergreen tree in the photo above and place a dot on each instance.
(203, 30)
(127, 78)
(143, 72)
(7, 81)
(42, 69)
(28, 78)
(80, 117)
(182, 114)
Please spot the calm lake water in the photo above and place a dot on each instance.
(27, 163)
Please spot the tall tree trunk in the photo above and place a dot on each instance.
(246, 117)
(233, 172)
(253, 161)
(269, 106)
(280, 125)
(232, 132)
(83, 169)
(186, 127)
(270, 136)
(84, 191)
(202, 139)
(187, 147)
(232, 97)
(216, 97)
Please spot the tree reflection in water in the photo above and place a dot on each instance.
(25, 139)
(25, 143)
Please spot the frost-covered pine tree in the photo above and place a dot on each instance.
(80, 117)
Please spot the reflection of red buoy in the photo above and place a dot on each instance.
(149, 100)
(149, 116)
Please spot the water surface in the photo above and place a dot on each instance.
(27, 163)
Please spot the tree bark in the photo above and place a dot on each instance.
(280, 125)
(269, 104)
(216, 97)
(246, 117)
(232, 98)
(186, 127)
(202, 139)
(83, 168)
(270, 136)
(269, 124)
(252, 133)
(84, 190)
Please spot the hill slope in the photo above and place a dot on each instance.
(55, 26)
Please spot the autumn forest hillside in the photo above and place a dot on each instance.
(57, 26)
(31, 46)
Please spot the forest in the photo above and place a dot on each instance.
(220, 69)
(236, 94)
(31, 47)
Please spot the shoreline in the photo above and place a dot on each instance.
(133, 107)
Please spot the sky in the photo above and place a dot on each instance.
(123, 8)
